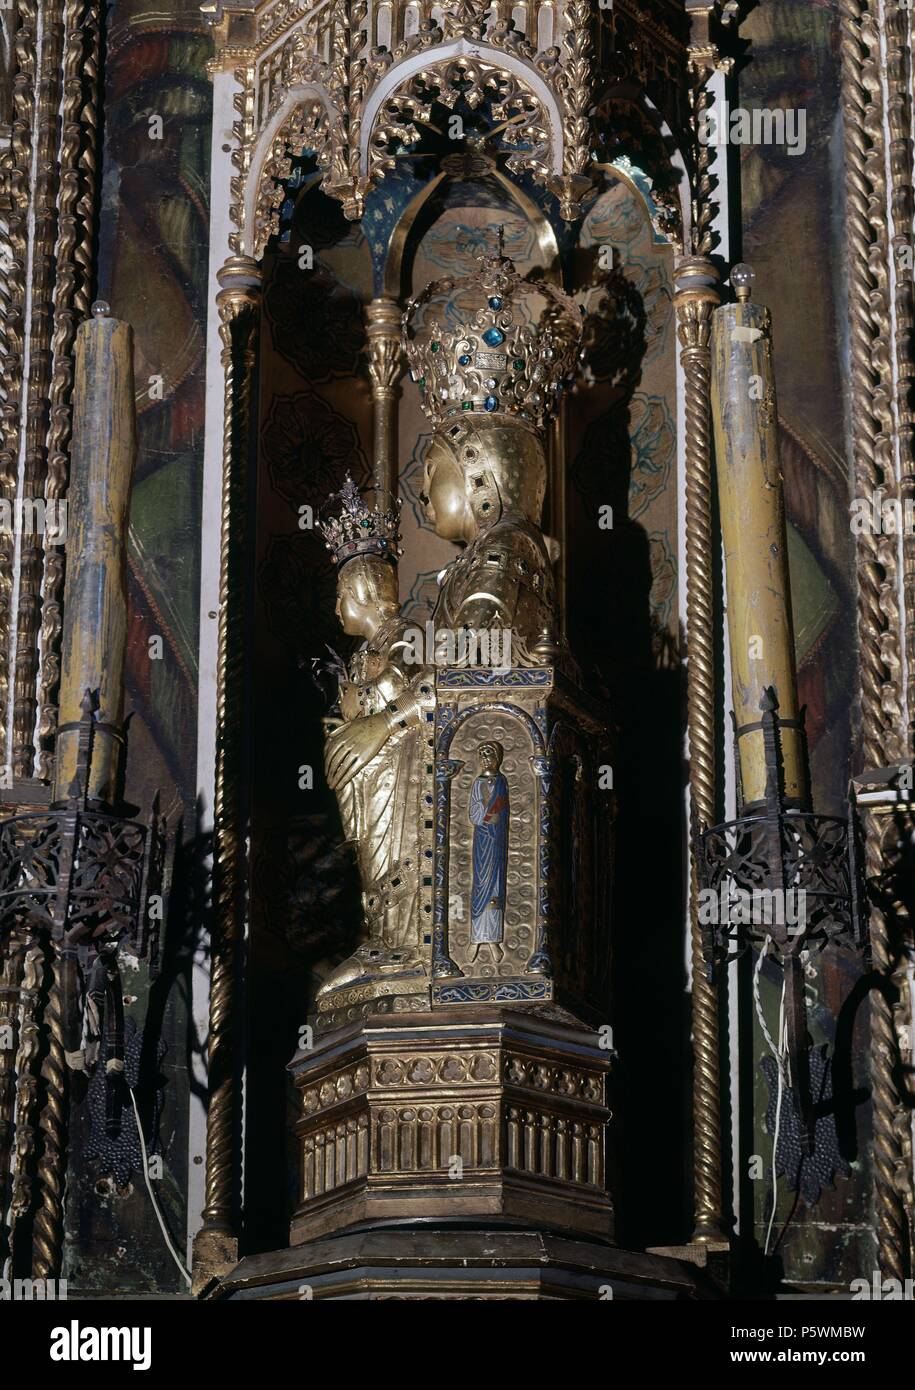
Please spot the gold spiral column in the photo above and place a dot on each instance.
(36, 386)
(16, 166)
(900, 197)
(47, 1234)
(891, 940)
(27, 1063)
(216, 1244)
(11, 964)
(867, 390)
(877, 660)
(888, 1112)
(74, 262)
(695, 297)
(382, 318)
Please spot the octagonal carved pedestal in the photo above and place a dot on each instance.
(453, 1116)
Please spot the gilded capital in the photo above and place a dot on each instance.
(240, 282)
(384, 351)
(696, 294)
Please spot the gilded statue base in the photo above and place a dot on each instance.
(488, 1262)
(477, 1113)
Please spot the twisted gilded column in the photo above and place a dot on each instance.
(17, 167)
(878, 662)
(47, 1232)
(27, 1083)
(868, 390)
(10, 974)
(887, 1110)
(74, 262)
(898, 104)
(216, 1244)
(84, 251)
(382, 318)
(696, 295)
(42, 283)
(892, 1124)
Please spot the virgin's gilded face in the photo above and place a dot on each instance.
(446, 500)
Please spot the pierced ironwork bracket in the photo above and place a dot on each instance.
(780, 875)
(78, 879)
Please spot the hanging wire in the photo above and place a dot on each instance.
(780, 1053)
(152, 1196)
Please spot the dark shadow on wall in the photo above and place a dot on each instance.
(624, 652)
(304, 896)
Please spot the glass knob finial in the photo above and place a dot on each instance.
(742, 278)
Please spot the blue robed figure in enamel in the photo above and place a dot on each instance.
(489, 809)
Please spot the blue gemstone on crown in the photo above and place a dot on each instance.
(445, 348)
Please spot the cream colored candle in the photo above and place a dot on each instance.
(95, 597)
(753, 528)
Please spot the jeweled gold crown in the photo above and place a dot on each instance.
(351, 527)
(494, 343)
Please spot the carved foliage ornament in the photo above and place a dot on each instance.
(306, 130)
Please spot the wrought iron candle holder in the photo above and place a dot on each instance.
(76, 882)
(79, 877)
(780, 876)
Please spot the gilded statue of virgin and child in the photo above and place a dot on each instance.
(488, 386)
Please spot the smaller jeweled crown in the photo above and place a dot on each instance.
(351, 527)
(494, 342)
